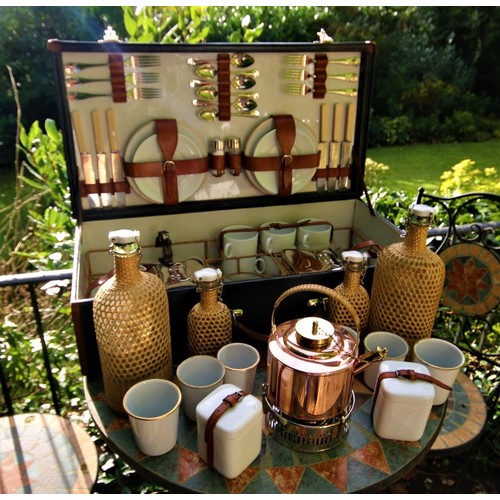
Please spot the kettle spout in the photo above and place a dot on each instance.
(369, 358)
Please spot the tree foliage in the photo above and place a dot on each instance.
(437, 68)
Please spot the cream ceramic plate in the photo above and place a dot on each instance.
(143, 147)
(263, 142)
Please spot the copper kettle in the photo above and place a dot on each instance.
(311, 363)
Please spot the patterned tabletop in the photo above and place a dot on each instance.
(465, 418)
(44, 453)
(362, 462)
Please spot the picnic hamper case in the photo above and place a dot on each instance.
(180, 141)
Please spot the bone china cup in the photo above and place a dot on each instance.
(313, 237)
(273, 239)
(240, 361)
(198, 376)
(397, 349)
(153, 411)
(241, 244)
(443, 360)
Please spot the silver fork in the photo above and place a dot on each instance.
(135, 94)
(301, 89)
(304, 60)
(143, 61)
(131, 78)
(300, 74)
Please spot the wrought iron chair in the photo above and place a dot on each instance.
(467, 237)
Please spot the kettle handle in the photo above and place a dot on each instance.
(330, 293)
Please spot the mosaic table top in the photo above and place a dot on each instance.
(465, 418)
(45, 453)
(361, 462)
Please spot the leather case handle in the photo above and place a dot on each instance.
(330, 293)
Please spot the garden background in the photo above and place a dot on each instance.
(433, 123)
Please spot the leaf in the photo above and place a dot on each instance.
(51, 129)
(129, 21)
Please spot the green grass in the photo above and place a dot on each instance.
(411, 167)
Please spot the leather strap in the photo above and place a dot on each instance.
(329, 173)
(286, 163)
(372, 247)
(407, 374)
(269, 163)
(167, 135)
(320, 64)
(117, 77)
(228, 402)
(168, 169)
(224, 87)
(285, 133)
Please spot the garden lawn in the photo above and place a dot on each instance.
(411, 167)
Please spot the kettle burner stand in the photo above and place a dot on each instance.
(307, 437)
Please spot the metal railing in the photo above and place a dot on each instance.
(31, 280)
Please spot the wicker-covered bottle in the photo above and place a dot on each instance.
(209, 323)
(408, 282)
(132, 322)
(352, 289)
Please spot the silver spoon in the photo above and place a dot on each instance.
(241, 103)
(211, 71)
(209, 93)
(211, 114)
(237, 60)
(239, 82)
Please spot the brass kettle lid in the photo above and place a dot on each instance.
(314, 333)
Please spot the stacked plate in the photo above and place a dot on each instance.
(143, 147)
(263, 142)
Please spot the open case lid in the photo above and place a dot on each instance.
(146, 126)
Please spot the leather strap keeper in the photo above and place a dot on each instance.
(409, 375)
(323, 173)
(217, 164)
(320, 64)
(286, 163)
(107, 187)
(228, 402)
(234, 163)
(223, 87)
(168, 169)
(117, 77)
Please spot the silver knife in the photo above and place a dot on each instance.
(336, 144)
(324, 136)
(89, 175)
(348, 143)
(102, 159)
(116, 157)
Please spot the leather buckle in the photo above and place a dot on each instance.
(286, 160)
(168, 166)
(405, 373)
(234, 398)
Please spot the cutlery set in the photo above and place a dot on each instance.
(337, 131)
(103, 176)
(315, 76)
(221, 80)
(125, 76)
(224, 87)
